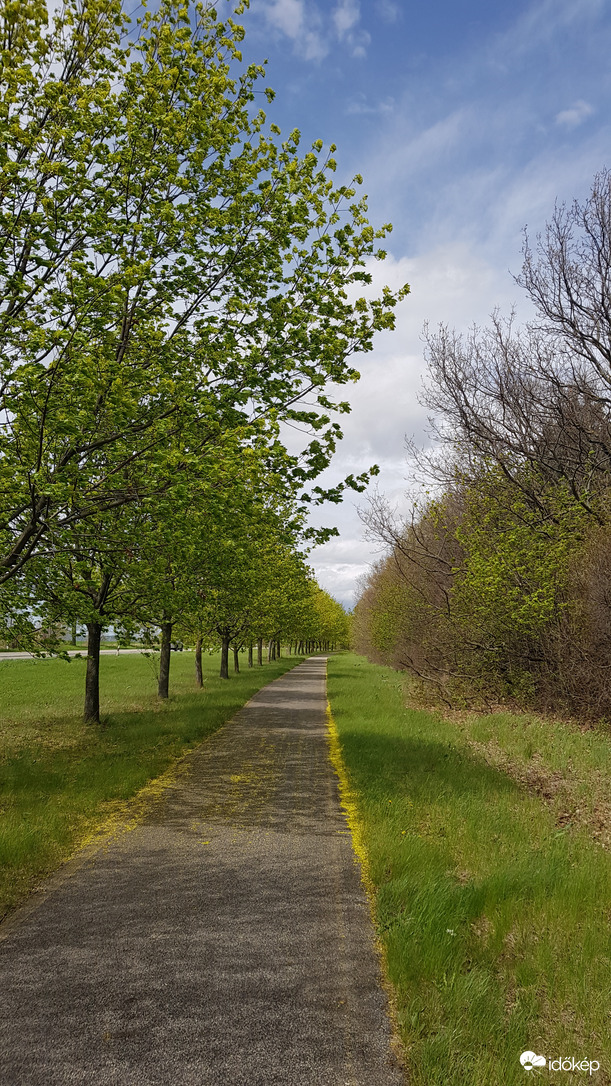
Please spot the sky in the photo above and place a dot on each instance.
(468, 120)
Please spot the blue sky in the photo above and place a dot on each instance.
(467, 121)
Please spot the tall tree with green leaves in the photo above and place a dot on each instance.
(170, 269)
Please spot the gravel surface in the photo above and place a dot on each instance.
(225, 941)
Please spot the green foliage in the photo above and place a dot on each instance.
(326, 621)
(177, 282)
(517, 563)
(479, 590)
(171, 271)
(390, 605)
(512, 588)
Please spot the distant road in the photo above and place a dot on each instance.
(72, 652)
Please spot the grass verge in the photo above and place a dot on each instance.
(495, 921)
(568, 766)
(61, 780)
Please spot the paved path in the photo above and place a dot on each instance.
(226, 941)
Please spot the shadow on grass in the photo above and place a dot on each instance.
(423, 768)
(65, 781)
(490, 915)
(435, 805)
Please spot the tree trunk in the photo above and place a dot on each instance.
(73, 638)
(260, 651)
(199, 673)
(278, 649)
(91, 714)
(163, 688)
(224, 657)
(236, 659)
(250, 655)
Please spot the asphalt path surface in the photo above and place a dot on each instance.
(225, 941)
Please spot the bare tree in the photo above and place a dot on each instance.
(513, 398)
(536, 401)
(501, 582)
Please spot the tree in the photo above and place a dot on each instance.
(89, 579)
(499, 586)
(254, 576)
(169, 270)
(540, 395)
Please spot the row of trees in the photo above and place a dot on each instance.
(178, 283)
(223, 566)
(499, 585)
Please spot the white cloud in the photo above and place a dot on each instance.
(402, 153)
(388, 11)
(360, 105)
(313, 46)
(345, 16)
(576, 115)
(358, 42)
(452, 284)
(437, 140)
(287, 16)
(460, 169)
(423, 181)
(301, 23)
(541, 22)
(312, 34)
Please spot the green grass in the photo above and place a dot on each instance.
(495, 920)
(569, 766)
(61, 779)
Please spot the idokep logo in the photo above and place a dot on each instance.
(569, 1063)
(530, 1060)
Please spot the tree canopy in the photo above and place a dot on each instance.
(178, 280)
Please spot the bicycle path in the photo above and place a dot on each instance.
(225, 941)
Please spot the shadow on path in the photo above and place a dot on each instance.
(226, 940)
